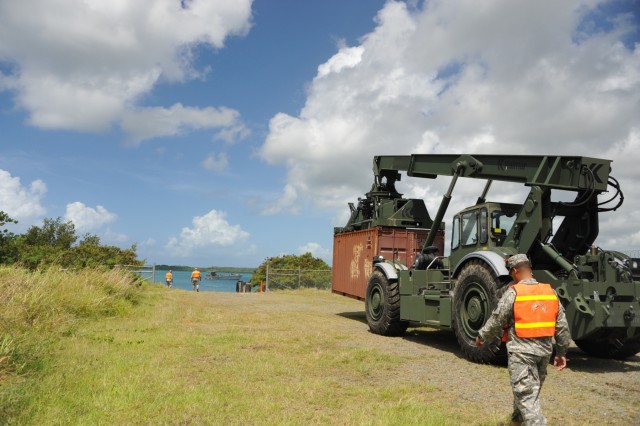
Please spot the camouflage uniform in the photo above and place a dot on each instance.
(528, 357)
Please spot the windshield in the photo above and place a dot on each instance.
(469, 228)
(502, 222)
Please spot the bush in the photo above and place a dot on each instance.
(40, 306)
(56, 243)
(291, 271)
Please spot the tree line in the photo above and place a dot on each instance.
(235, 269)
(56, 243)
(291, 271)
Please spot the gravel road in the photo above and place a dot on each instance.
(591, 391)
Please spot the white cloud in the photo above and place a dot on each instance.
(87, 218)
(116, 238)
(347, 57)
(20, 202)
(232, 132)
(83, 65)
(147, 123)
(287, 202)
(208, 231)
(149, 242)
(455, 76)
(316, 250)
(217, 163)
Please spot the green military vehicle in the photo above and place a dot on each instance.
(599, 289)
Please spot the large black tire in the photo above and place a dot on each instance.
(607, 349)
(382, 306)
(475, 296)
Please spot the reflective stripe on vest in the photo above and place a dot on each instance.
(535, 310)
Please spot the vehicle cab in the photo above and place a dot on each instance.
(481, 227)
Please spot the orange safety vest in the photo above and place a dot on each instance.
(535, 310)
(195, 274)
(169, 276)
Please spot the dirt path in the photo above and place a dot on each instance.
(590, 391)
(301, 357)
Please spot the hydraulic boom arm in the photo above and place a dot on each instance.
(555, 172)
(584, 175)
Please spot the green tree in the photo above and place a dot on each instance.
(86, 255)
(54, 233)
(90, 239)
(8, 248)
(291, 271)
(56, 243)
(5, 218)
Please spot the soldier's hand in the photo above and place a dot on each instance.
(560, 362)
(479, 341)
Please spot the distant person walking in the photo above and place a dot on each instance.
(169, 278)
(530, 315)
(195, 279)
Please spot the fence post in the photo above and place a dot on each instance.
(267, 274)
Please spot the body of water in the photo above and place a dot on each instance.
(182, 280)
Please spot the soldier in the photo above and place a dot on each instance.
(195, 279)
(530, 315)
(169, 278)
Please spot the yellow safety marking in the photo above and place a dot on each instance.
(538, 297)
(536, 325)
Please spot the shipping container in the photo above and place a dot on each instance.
(353, 254)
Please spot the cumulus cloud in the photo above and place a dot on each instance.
(114, 237)
(208, 231)
(20, 202)
(147, 123)
(287, 202)
(217, 163)
(87, 218)
(83, 65)
(316, 250)
(454, 76)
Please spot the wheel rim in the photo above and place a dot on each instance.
(475, 309)
(376, 305)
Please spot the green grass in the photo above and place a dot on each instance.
(206, 358)
(93, 348)
(38, 310)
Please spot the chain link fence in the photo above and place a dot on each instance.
(298, 278)
(147, 272)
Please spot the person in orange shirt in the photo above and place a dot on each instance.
(169, 278)
(532, 316)
(195, 279)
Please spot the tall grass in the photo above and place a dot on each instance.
(37, 308)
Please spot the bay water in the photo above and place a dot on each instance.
(182, 280)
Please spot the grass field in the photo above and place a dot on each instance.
(302, 357)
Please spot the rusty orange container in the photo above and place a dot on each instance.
(353, 254)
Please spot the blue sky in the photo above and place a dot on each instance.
(223, 134)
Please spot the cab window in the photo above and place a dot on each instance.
(455, 232)
(501, 224)
(469, 228)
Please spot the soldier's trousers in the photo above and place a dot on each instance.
(527, 373)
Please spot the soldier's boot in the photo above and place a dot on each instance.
(516, 417)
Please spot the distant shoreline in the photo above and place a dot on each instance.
(208, 269)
